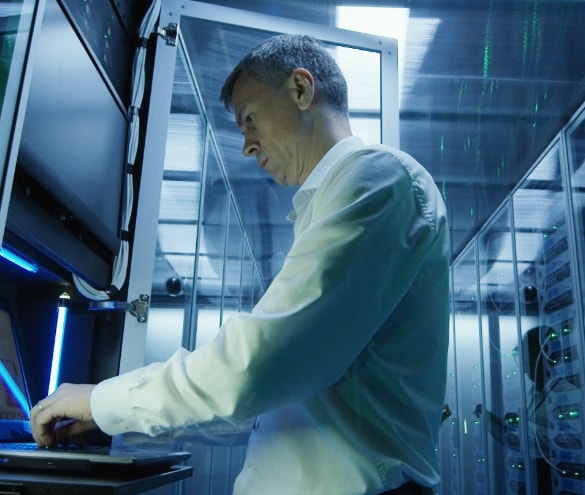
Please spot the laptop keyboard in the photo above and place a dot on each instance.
(18, 446)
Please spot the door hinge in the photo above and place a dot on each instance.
(137, 308)
(169, 33)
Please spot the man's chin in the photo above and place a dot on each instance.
(281, 181)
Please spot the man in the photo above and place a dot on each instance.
(343, 360)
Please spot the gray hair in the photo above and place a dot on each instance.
(273, 61)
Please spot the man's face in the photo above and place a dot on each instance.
(271, 124)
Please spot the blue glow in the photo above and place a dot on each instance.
(14, 389)
(18, 261)
(58, 344)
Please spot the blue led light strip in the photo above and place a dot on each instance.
(58, 344)
(18, 261)
(13, 387)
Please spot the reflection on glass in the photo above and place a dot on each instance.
(220, 46)
(548, 318)
(576, 151)
(16, 19)
(567, 360)
(251, 284)
(504, 409)
(215, 48)
(15, 22)
(448, 440)
(531, 333)
(211, 260)
(178, 224)
(473, 454)
(205, 267)
(362, 72)
(233, 265)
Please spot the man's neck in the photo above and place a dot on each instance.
(329, 130)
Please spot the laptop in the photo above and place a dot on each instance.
(17, 449)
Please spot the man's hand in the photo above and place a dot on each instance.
(62, 416)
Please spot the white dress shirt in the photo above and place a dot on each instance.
(343, 359)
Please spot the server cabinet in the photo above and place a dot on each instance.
(551, 327)
(502, 413)
(530, 275)
(567, 405)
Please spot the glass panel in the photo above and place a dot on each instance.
(449, 436)
(172, 286)
(197, 280)
(551, 364)
(214, 49)
(16, 21)
(362, 71)
(248, 281)
(568, 413)
(503, 411)
(233, 265)
(473, 453)
(211, 261)
(576, 145)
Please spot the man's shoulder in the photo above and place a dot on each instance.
(371, 160)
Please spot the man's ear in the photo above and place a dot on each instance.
(302, 88)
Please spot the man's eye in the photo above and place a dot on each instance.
(249, 119)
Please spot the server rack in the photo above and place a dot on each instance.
(518, 428)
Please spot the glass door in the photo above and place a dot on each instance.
(469, 447)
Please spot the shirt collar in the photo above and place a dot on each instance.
(329, 160)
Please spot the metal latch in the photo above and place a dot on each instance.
(137, 308)
(169, 33)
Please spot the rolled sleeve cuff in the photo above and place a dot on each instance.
(110, 405)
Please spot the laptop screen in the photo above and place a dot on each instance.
(14, 404)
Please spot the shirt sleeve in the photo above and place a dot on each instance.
(368, 228)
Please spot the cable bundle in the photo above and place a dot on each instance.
(120, 265)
